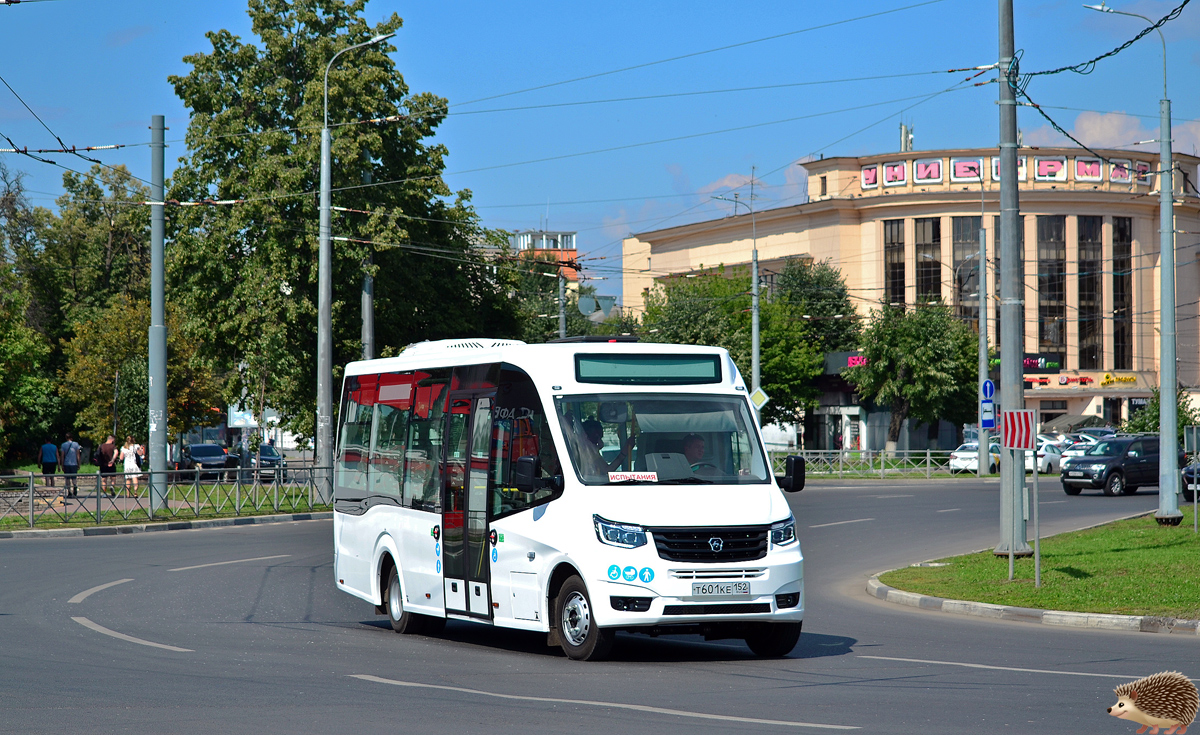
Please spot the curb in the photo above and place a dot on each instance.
(1134, 623)
(169, 526)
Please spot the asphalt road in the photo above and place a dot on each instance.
(267, 645)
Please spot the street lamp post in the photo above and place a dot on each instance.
(755, 372)
(325, 297)
(1168, 431)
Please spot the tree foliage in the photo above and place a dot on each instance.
(25, 388)
(1146, 420)
(535, 292)
(921, 362)
(713, 309)
(108, 355)
(247, 273)
(819, 291)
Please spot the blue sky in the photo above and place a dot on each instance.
(96, 71)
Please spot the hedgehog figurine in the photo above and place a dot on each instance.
(1165, 700)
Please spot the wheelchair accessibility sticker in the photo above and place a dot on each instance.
(494, 556)
(614, 572)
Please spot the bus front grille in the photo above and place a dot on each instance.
(711, 545)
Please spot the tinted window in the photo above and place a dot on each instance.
(267, 450)
(1151, 446)
(1107, 449)
(425, 443)
(520, 428)
(1136, 449)
(390, 433)
(350, 466)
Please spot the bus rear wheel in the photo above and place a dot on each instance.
(580, 637)
(774, 640)
(402, 620)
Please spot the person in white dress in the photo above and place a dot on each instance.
(129, 455)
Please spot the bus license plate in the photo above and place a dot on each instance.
(1075, 474)
(719, 589)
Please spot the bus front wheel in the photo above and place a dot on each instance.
(774, 640)
(581, 638)
(402, 620)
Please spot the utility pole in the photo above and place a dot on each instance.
(562, 303)
(1012, 472)
(984, 453)
(157, 368)
(368, 290)
(755, 371)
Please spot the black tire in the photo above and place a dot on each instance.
(774, 640)
(581, 639)
(402, 620)
(1189, 496)
(1129, 490)
(1071, 489)
(1115, 484)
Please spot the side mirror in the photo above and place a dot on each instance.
(792, 479)
(525, 473)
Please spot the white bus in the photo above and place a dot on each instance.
(576, 488)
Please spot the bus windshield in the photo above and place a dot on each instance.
(674, 438)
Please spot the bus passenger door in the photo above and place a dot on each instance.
(464, 509)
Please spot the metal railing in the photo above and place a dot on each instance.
(862, 464)
(27, 501)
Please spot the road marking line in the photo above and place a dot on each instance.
(891, 496)
(101, 629)
(839, 523)
(590, 703)
(1051, 502)
(949, 510)
(223, 563)
(84, 595)
(1000, 668)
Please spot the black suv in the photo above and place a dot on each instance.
(1118, 465)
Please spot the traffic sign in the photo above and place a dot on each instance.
(989, 389)
(759, 398)
(987, 415)
(1191, 439)
(1016, 429)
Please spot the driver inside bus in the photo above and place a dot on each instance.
(693, 450)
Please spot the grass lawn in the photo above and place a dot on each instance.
(1133, 567)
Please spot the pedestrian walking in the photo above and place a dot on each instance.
(129, 455)
(49, 459)
(106, 458)
(68, 457)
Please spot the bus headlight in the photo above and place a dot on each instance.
(619, 534)
(784, 532)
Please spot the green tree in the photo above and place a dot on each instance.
(921, 362)
(109, 355)
(713, 309)
(535, 291)
(819, 290)
(256, 111)
(25, 388)
(1146, 420)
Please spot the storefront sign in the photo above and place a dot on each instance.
(1109, 380)
(870, 176)
(966, 170)
(1142, 169)
(1049, 363)
(856, 361)
(895, 173)
(1050, 168)
(1080, 380)
(927, 171)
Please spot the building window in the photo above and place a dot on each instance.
(1090, 268)
(997, 272)
(1122, 307)
(893, 261)
(1052, 282)
(1052, 410)
(928, 244)
(824, 186)
(966, 268)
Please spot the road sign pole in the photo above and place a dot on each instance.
(1037, 531)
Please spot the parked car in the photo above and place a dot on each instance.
(1190, 480)
(1080, 443)
(210, 459)
(266, 460)
(1049, 457)
(1100, 432)
(966, 458)
(1118, 465)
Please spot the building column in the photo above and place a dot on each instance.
(1106, 294)
(1071, 343)
(1030, 294)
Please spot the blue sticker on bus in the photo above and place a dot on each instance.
(439, 566)
(614, 572)
(437, 549)
(646, 575)
(494, 555)
(630, 574)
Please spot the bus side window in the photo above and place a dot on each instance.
(390, 434)
(358, 405)
(520, 428)
(424, 449)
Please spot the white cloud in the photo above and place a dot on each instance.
(1116, 130)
